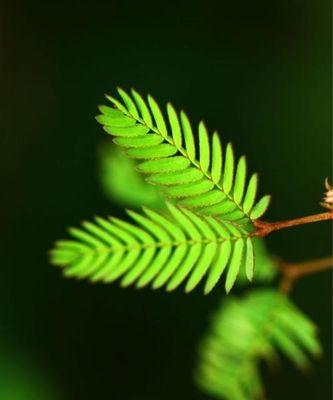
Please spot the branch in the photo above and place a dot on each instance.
(264, 228)
(293, 271)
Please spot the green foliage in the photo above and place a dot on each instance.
(157, 250)
(244, 332)
(122, 183)
(204, 230)
(116, 169)
(213, 237)
(265, 265)
(203, 178)
(22, 378)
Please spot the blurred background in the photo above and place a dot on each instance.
(259, 72)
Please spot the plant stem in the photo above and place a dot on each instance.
(264, 228)
(293, 271)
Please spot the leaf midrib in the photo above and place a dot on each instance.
(145, 246)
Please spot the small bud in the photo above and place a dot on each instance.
(328, 196)
(327, 185)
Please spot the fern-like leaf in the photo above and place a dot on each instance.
(203, 179)
(117, 168)
(245, 331)
(156, 250)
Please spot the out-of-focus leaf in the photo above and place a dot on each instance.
(246, 331)
(122, 183)
(22, 378)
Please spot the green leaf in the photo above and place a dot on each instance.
(152, 152)
(115, 169)
(161, 234)
(167, 165)
(240, 180)
(188, 175)
(184, 222)
(226, 183)
(112, 113)
(217, 157)
(85, 237)
(118, 105)
(204, 199)
(142, 106)
(250, 193)
(220, 228)
(123, 121)
(290, 348)
(153, 270)
(122, 234)
(128, 131)
(175, 126)
(202, 224)
(204, 147)
(243, 332)
(235, 263)
(188, 136)
(154, 248)
(158, 116)
(139, 268)
(202, 266)
(260, 208)
(129, 103)
(141, 141)
(266, 267)
(186, 266)
(172, 266)
(188, 190)
(228, 174)
(168, 225)
(249, 260)
(218, 267)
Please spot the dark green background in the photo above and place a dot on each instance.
(258, 71)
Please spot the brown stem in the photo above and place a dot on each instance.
(293, 271)
(264, 228)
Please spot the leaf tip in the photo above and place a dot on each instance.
(207, 289)
(109, 97)
(228, 288)
(202, 125)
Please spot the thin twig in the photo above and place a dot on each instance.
(293, 271)
(264, 228)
